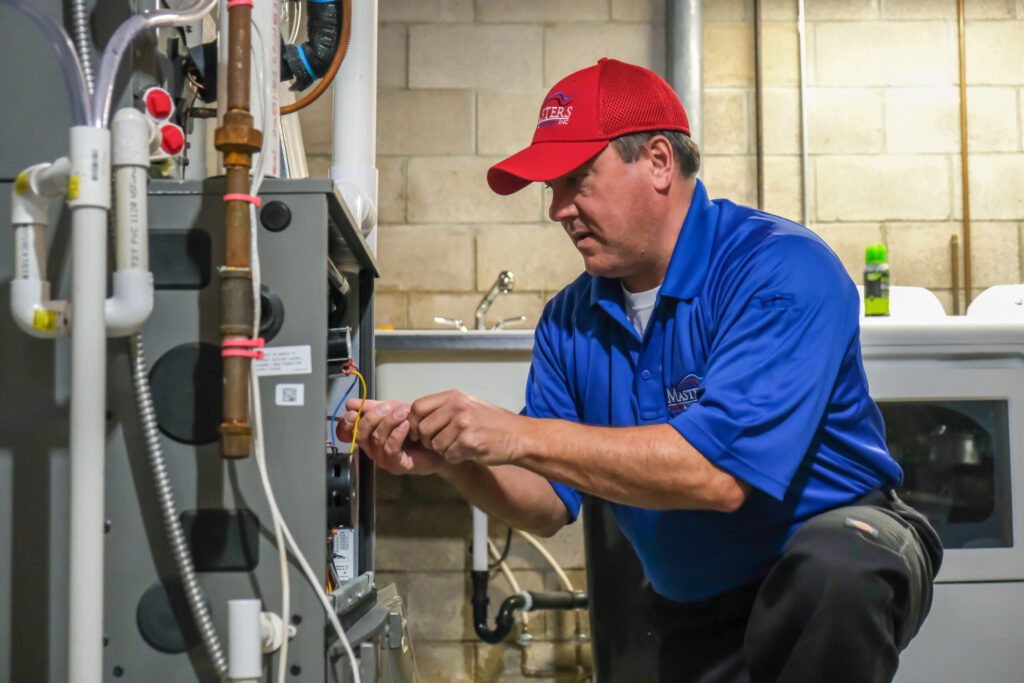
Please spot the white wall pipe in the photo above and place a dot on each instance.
(479, 540)
(35, 190)
(89, 199)
(134, 137)
(245, 642)
(353, 167)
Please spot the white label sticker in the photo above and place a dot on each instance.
(343, 555)
(284, 360)
(289, 394)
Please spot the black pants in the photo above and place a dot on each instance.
(851, 589)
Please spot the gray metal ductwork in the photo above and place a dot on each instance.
(684, 60)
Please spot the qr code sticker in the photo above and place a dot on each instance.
(289, 395)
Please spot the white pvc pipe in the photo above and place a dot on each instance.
(684, 60)
(479, 540)
(245, 649)
(89, 201)
(35, 190)
(132, 300)
(353, 167)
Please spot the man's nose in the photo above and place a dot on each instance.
(562, 205)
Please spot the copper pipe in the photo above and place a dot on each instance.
(238, 140)
(339, 57)
(954, 257)
(965, 184)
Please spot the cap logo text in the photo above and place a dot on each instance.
(555, 110)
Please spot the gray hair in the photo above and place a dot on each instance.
(685, 150)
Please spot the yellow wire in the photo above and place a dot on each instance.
(355, 429)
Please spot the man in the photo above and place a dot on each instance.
(704, 377)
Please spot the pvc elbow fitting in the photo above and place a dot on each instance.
(35, 314)
(131, 304)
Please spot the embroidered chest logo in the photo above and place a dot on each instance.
(683, 394)
(555, 110)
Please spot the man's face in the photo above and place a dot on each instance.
(604, 207)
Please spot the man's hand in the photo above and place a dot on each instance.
(383, 432)
(462, 428)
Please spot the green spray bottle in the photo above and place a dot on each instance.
(876, 281)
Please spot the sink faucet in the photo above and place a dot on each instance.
(505, 283)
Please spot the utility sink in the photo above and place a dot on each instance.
(490, 364)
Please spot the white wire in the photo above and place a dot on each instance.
(529, 538)
(280, 526)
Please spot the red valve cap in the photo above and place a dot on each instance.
(172, 138)
(159, 103)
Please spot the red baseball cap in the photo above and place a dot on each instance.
(580, 116)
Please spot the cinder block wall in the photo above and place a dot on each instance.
(460, 83)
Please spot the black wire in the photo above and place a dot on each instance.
(504, 553)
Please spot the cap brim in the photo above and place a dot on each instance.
(539, 162)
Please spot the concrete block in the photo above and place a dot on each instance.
(431, 490)
(728, 54)
(780, 62)
(506, 120)
(318, 165)
(426, 122)
(391, 195)
(444, 662)
(426, 10)
(542, 258)
(731, 177)
(781, 120)
(542, 11)
(940, 9)
(391, 309)
(421, 257)
(885, 187)
(392, 56)
(454, 190)
(925, 120)
(844, 121)
(995, 254)
(997, 181)
(993, 53)
(570, 47)
(422, 537)
(992, 120)
(779, 10)
(317, 123)
(475, 56)
(387, 487)
(503, 662)
(730, 11)
(423, 308)
(919, 253)
(820, 10)
(566, 547)
(638, 10)
(911, 53)
(848, 241)
(439, 606)
(782, 187)
(728, 121)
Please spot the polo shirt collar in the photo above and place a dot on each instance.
(692, 253)
(686, 269)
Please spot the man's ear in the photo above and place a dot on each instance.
(662, 161)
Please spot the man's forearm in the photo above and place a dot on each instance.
(520, 498)
(652, 466)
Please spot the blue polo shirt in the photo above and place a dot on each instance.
(753, 354)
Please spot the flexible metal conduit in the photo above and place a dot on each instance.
(169, 511)
(80, 30)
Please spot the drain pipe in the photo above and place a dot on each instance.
(964, 177)
(353, 168)
(801, 30)
(684, 60)
(758, 105)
